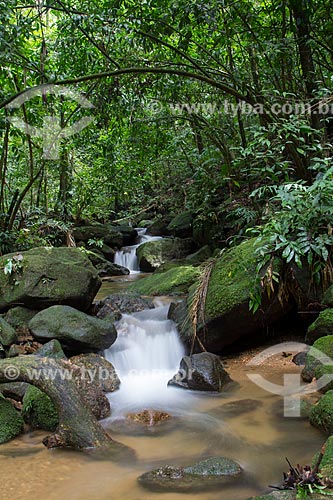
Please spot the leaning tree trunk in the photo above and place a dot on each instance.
(78, 428)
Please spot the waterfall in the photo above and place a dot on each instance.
(126, 256)
(146, 355)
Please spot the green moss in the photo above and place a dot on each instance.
(231, 279)
(324, 370)
(7, 333)
(316, 356)
(38, 410)
(323, 326)
(321, 414)
(11, 422)
(176, 280)
(326, 464)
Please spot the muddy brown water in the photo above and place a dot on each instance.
(246, 423)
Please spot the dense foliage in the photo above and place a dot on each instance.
(196, 105)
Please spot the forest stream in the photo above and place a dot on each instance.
(244, 423)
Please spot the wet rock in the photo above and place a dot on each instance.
(113, 306)
(52, 349)
(316, 356)
(75, 330)
(321, 327)
(212, 473)
(100, 371)
(149, 417)
(46, 276)
(236, 408)
(201, 372)
(153, 254)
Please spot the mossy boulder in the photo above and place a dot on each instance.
(38, 410)
(159, 226)
(321, 414)
(201, 372)
(11, 421)
(321, 327)
(182, 225)
(212, 473)
(227, 314)
(175, 281)
(46, 276)
(8, 335)
(153, 254)
(113, 306)
(319, 354)
(75, 330)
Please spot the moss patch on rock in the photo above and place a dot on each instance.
(321, 327)
(7, 333)
(174, 281)
(321, 414)
(38, 410)
(316, 356)
(231, 279)
(11, 422)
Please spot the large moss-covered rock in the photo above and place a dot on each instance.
(113, 306)
(182, 225)
(227, 314)
(199, 256)
(75, 330)
(321, 414)
(46, 276)
(174, 281)
(38, 410)
(201, 372)
(318, 355)
(321, 327)
(8, 335)
(153, 254)
(11, 421)
(212, 473)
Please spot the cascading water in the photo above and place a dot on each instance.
(146, 355)
(126, 256)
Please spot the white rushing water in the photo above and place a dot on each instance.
(126, 256)
(146, 355)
